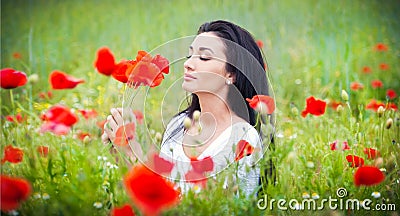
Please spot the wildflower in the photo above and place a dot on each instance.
(33, 78)
(17, 118)
(371, 153)
(355, 161)
(158, 136)
(335, 146)
(12, 155)
(125, 210)
(149, 191)
(305, 195)
(45, 196)
(376, 194)
(391, 94)
(376, 84)
(314, 107)
(98, 205)
(43, 150)
(384, 66)
(314, 196)
(17, 55)
(105, 61)
(160, 165)
(37, 195)
(344, 95)
(44, 95)
(366, 70)
(139, 116)
(124, 134)
(55, 128)
(355, 86)
(87, 114)
(389, 123)
(381, 47)
(60, 80)
(148, 70)
(187, 123)
(260, 44)
(13, 191)
(10, 78)
(262, 103)
(119, 72)
(243, 148)
(61, 115)
(368, 175)
(310, 164)
(196, 189)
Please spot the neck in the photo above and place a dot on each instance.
(214, 110)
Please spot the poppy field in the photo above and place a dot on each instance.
(333, 67)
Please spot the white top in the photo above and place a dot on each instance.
(221, 150)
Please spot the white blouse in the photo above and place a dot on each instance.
(221, 150)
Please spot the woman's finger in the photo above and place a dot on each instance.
(111, 124)
(117, 116)
(105, 139)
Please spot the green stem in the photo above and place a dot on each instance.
(12, 99)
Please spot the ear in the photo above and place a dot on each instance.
(231, 76)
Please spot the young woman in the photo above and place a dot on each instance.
(223, 68)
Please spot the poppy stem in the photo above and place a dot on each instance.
(12, 99)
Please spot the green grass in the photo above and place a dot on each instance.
(312, 48)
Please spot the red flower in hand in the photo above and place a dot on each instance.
(262, 103)
(243, 149)
(105, 61)
(147, 70)
(61, 115)
(368, 175)
(125, 210)
(149, 191)
(371, 153)
(13, 191)
(12, 155)
(355, 161)
(124, 134)
(10, 78)
(60, 80)
(314, 107)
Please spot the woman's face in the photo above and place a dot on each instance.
(205, 67)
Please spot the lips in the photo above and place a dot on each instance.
(189, 77)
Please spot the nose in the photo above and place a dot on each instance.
(188, 65)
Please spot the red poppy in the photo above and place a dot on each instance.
(334, 104)
(55, 128)
(147, 70)
(198, 178)
(376, 84)
(87, 114)
(139, 116)
(243, 148)
(260, 44)
(374, 105)
(355, 161)
(44, 95)
(160, 165)
(13, 191)
(371, 153)
(125, 210)
(204, 165)
(384, 66)
(262, 103)
(149, 191)
(81, 135)
(60, 80)
(119, 72)
(124, 134)
(356, 86)
(366, 70)
(105, 61)
(381, 47)
(61, 115)
(391, 93)
(10, 78)
(314, 106)
(368, 175)
(17, 55)
(17, 118)
(335, 146)
(43, 150)
(12, 155)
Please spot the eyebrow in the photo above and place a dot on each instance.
(202, 49)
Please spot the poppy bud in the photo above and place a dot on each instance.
(339, 108)
(389, 123)
(380, 111)
(187, 123)
(196, 115)
(158, 137)
(295, 111)
(345, 96)
(34, 78)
